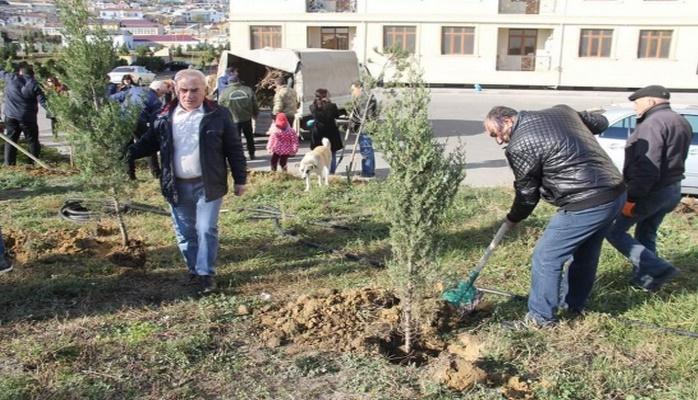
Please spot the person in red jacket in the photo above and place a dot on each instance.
(283, 142)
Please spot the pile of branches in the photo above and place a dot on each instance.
(264, 89)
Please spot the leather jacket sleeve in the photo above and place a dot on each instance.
(596, 123)
(147, 145)
(643, 153)
(232, 147)
(527, 181)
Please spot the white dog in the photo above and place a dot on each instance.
(317, 161)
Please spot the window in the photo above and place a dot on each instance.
(621, 129)
(595, 43)
(522, 42)
(654, 44)
(334, 38)
(403, 37)
(265, 36)
(457, 40)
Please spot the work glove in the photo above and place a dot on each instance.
(628, 209)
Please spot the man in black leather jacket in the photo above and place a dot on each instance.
(554, 155)
(198, 141)
(654, 165)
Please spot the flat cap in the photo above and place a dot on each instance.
(650, 91)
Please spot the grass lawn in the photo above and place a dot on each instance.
(74, 325)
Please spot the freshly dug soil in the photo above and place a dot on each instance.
(351, 320)
(688, 205)
(368, 320)
(26, 246)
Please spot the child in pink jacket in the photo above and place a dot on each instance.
(283, 142)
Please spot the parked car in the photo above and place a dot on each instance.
(140, 75)
(174, 66)
(621, 124)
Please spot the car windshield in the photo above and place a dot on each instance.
(123, 69)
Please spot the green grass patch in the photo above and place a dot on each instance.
(75, 325)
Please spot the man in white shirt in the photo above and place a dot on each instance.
(196, 139)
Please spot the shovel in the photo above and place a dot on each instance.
(465, 294)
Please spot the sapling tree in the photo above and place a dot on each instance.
(97, 129)
(422, 184)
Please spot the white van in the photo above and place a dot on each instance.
(312, 69)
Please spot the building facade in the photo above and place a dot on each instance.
(170, 41)
(141, 27)
(549, 43)
(120, 13)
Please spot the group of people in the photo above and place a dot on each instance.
(199, 139)
(552, 152)
(283, 138)
(554, 155)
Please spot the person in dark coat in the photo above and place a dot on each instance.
(22, 98)
(148, 100)
(199, 144)
(325, 113)
(654, 166)
(555, 156)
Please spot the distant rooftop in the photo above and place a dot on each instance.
(164, 38)
(138, 23)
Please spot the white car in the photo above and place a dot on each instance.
(140, 75)
(621, 124)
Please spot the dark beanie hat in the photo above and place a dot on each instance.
(650, 91)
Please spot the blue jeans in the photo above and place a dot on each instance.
(333, 163)
(2, 248)
(648, 215)
(569, 234)
(196, 226)
(368, 158)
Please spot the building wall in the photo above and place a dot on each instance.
(559, 23)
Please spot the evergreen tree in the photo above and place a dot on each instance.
(97, 128)
(422, 184)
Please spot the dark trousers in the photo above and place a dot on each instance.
(31, 132)
(153, 162)
(278, 159)
(245, 127)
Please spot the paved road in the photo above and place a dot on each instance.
(457, 115)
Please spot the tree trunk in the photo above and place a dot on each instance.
(407, 310)
(120, 219)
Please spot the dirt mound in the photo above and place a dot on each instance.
(351, 320)
(456, 367)
(25, 246)
(688, 205)
(368, 320)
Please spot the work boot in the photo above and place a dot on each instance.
(529, 322)
(5, 264)
(654, 283)
(208, 284)
(190, 279)
(252, 157)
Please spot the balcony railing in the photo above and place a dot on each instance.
(516, 63)
(332, 6)
(519, 6)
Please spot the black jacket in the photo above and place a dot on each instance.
(554, 155)
(325, 126)
(219, 141)
(656, 152)
(22, 95)
(359, 107)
